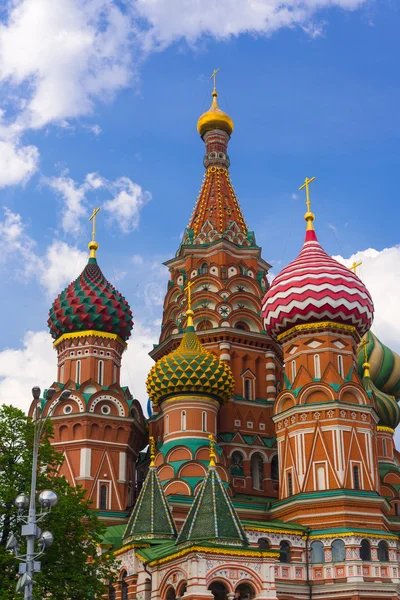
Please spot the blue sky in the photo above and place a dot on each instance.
(319, 98)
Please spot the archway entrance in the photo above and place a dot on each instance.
(218, 590)
(246, 592)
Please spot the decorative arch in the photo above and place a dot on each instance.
(249, 576)
(112, 399)
(349, 391)
(169, 579)
(181, 487)
(284, 402)
(72, 397)
(326, 392)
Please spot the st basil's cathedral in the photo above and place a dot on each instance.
(267, 467)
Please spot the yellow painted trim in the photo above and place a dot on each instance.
(385, 536)
(270, 530)
(87, 333)
(320, 325)
(385, 429)
(130, 547)
(185, 398)
(217, 551)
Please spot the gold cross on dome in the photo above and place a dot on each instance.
(188, 290)
(93, 218)
(214, 75)
(354, 266)
(306, 184)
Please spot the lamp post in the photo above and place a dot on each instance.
(47, 500)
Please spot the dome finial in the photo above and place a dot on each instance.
(214, 117)
(366, 365)
(93, 245)
(309, 216)
(189, 312)
(212, 451)
(152, 451)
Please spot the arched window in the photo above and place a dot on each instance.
(78, 372)
(166, 424)
(115, 374)
(317, 552)
(237, 463)
(100, 375)
(203, 325)
(284, 552)
(103, 497)
(293, 370)
(170, 594)
(275, 468)
(242, 325)
(264, 543)
(383, 551)
(290, 484)
(384, 447)
(257, 471)
(340, 365)
(356, 478)
(248, 389)
(338, 551)
(183, 420)
(396, 509)
(321, 483)
(204, 269)
(317, 366)
(111, 592)
(124, 588)
(204, 421)
(365, 550)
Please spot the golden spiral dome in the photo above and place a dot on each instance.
(214, 118)
(190, 369)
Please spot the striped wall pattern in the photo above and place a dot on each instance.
(315, 287)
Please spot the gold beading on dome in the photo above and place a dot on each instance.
(190, 369)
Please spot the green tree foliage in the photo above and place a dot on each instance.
(72, 568)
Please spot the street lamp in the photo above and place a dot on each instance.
(47, 500)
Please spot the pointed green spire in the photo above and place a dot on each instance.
(212, 516)
(151, 516)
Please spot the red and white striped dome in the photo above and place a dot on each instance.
(314, 288)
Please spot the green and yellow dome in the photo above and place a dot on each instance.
(190, 369)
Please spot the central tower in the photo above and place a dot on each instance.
(219, 258)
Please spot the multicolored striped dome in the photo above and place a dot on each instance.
(90, 303)
(190, 369)
(384, 365)
(314, 288)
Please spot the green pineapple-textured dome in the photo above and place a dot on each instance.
(90, 303)
(190, 369)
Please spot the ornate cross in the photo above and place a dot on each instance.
(188, 290)
(214, 75)
(354, 267)
(306, 183)
(93, 218)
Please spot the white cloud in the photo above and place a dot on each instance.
(63, 55)
(20, 369)
(226, 18)
(73, 197)
(35, 363)
(380, 273)
(127, 200)
(126, 204)
(18, 163)
(60, 265)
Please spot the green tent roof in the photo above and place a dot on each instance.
(212, 516)
(151, 516)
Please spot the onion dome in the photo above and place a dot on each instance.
(190, 369)
(90, 303)
(384, 365)
(214, 118)
(387, 407)
(315, 288)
